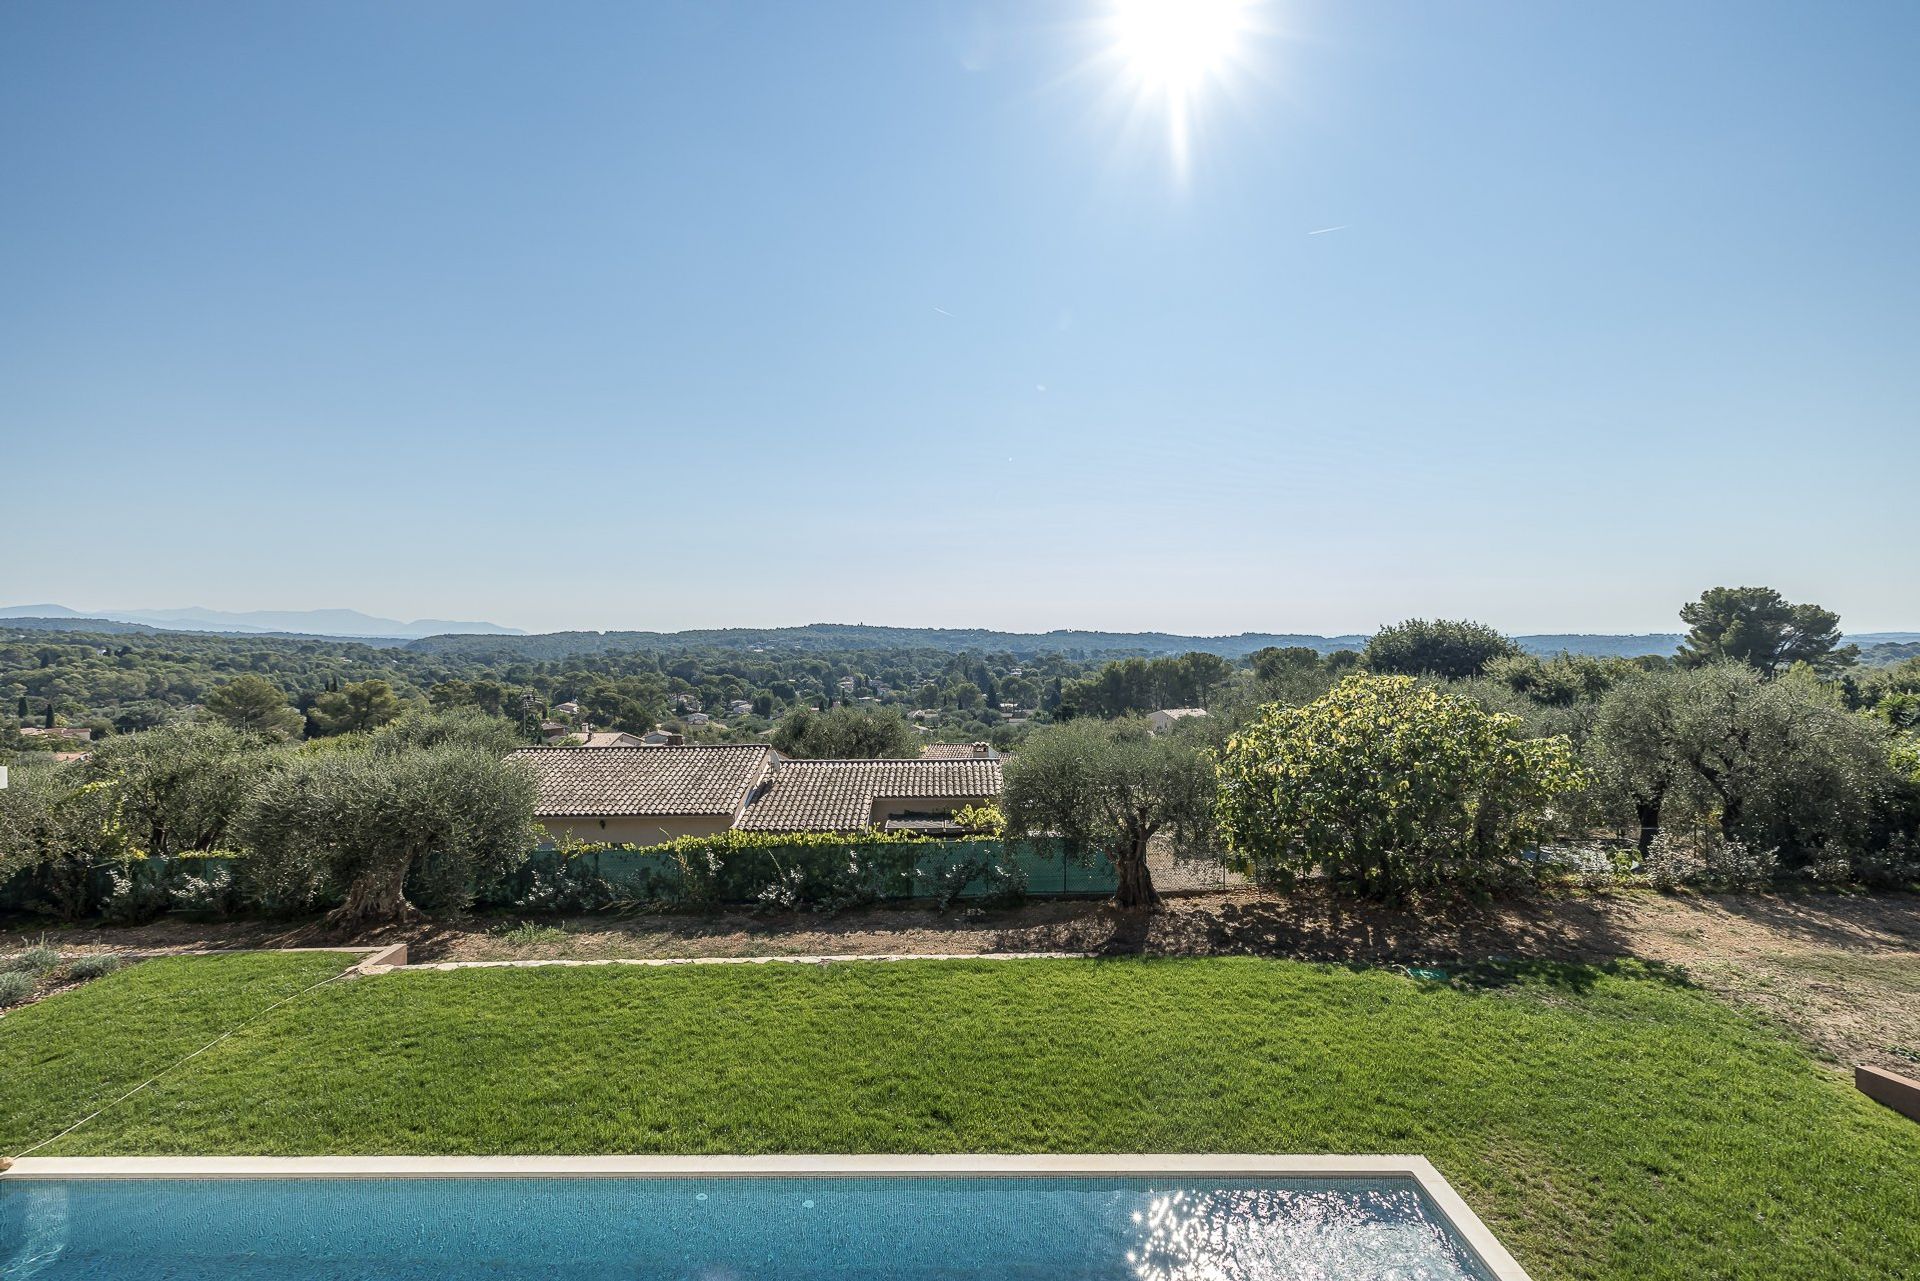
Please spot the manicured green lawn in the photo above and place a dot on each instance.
(1606, 1124)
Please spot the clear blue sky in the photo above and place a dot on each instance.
(689, 314)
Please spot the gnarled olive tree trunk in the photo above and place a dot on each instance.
(378, 896)
(1136, 878)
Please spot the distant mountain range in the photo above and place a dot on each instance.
(350, 623)
(549, 646)
(490, 640)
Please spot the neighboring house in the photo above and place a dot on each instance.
(846, 796)
(698, 718)
(643, 795)
(1161, 721)
(66, 733)
(958, 752)
(568, 709)
(647, 795)
(659, 738)
(611, 738)
(553, 731)
(740, 707)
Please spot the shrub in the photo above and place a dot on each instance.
(214, 891)
(981, 820)
(1671, 863)
(1389, 786)
(1735, 865)
(94, 966)
(569, 887)
(1589, 867)
(529, 934)
(1005, 881)
(35, 960)
(830, 884)
(1832, 868)
(1895, 868)
(134, 899)
(15, 987)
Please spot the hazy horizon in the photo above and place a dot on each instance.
(970, 314)
(538, 626)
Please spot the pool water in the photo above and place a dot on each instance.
(723, 1229)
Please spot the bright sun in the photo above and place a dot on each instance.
(1173, 50)
(1176, 46)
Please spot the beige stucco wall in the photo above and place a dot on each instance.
(649, 829)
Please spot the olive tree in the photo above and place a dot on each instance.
(1782, 764)
(1110, 787)
(1633, 751)
(56, 828)
(372, 823)
(1387, 785)
(178, 789)
(1774, 764)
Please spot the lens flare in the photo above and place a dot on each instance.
(1173, 51)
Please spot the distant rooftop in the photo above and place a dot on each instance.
(605, 782)
(840, 796)
(958, 752)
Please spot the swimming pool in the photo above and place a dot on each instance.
(775, 1218)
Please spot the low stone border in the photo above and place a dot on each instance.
(1439, 1193)
(383, 959)
(1901, 1093)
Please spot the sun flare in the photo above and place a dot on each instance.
(1176, 46)
(1171, 52)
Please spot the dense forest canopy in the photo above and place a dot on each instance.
(127, 681)
(1440, 753)
(956, 684)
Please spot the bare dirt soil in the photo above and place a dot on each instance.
(1841, 972)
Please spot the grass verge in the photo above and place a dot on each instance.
(1607, 1122)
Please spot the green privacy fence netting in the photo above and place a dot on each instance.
(691, 873)
(805, 871)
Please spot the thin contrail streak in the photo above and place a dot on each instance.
(1324, 230)
(943, 311)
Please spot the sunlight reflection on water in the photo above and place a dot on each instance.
(795, 1229)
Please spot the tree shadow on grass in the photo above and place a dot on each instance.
(1574, 977)
(1826, 920)
(1315, 925)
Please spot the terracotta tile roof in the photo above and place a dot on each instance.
(957, 752)
(600, 782)
(839, 796)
